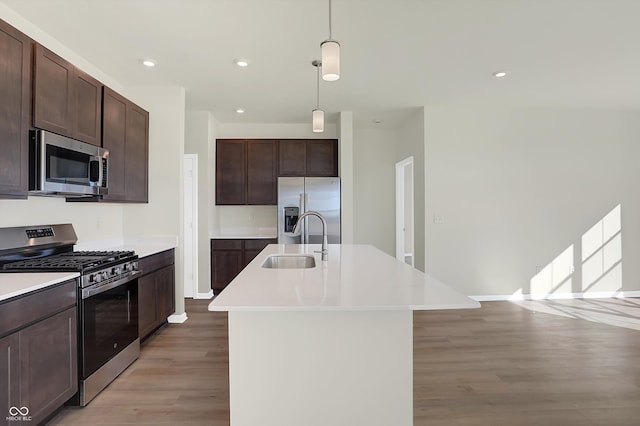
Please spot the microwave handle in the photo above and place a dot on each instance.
(39, 168)
(95, 170)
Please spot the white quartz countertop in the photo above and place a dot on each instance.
(356, 277)
(17, 284)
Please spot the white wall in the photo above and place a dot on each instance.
(163, 215)
(275, 131)
(345, 161)
(529, 200)
(374, 187)
(90, 221)
(410, 141)
(376, 150)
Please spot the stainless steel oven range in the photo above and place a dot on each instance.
(108, 340)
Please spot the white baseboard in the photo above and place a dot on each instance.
(207, 295)
(177, 318)
(594, 295)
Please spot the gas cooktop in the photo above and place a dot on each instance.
(71, 261)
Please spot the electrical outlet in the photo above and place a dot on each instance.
(437, 219)
(539, 269)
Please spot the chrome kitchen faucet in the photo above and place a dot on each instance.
(296, 231)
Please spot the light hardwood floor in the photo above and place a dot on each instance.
(504, 364)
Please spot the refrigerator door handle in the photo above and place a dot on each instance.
(306, 229)
(303, 208)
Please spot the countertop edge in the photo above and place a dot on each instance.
(34, 284)
(243, 237)
(218, 308)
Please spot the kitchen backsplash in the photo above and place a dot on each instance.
(90, 220)
(231, 218)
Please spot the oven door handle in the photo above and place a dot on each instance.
(93, 290)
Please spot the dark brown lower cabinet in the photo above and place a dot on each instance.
(48, 370)
(156, 291)
(9, 369)
(229, 257)
(38, 360)
(253, 247)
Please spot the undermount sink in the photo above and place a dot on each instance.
(289, 261)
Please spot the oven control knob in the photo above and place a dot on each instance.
(96, 277)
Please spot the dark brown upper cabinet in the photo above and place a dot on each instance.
(231, 172)
(125, 134)
(66, 100)
(292, 157)
(322, 157)
(87, 108)
(308, 157)
(15, 111)
(262, 178)
(246, 172)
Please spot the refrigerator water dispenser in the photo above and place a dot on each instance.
(291, 215)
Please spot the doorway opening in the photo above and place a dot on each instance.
(404, 211)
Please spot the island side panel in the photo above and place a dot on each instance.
(321, 368)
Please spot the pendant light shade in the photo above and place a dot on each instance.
(330, 56)
(317, 115)
(330, 60)
(318, 120)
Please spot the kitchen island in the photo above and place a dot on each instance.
(327, 345)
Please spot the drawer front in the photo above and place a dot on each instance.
(23, 310)
(226, 244)
(156, 261)
(258, 244)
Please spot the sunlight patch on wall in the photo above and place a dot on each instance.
(555, 277)
(600, 260)
(602, 254)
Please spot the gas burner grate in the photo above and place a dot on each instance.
(76, 261)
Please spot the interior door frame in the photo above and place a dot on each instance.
(400, 210)
(191, 211)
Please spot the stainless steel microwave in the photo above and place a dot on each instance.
(66, 167)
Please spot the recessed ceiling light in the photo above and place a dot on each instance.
(500, 74)
(242, 63)
(149, 63)
(240, 111)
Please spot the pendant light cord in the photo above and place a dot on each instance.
(330, 38)
(317, 86)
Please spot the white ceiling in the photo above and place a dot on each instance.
(396, 55)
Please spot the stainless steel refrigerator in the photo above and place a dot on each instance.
(297, 195)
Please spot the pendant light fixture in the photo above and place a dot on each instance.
(330, 56)
(317, 115)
